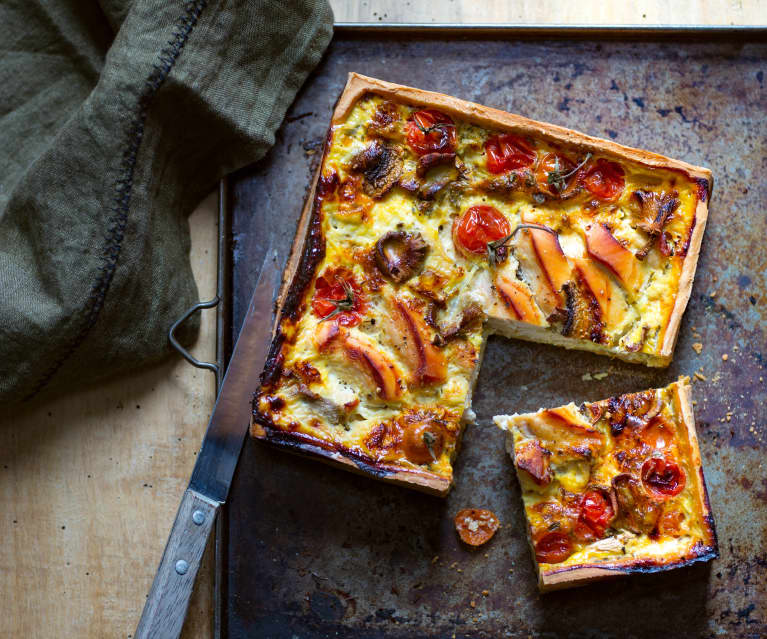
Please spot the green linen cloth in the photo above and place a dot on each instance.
(116, 118)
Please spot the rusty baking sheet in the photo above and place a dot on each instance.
(310, 551)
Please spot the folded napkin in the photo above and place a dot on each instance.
(116, 119)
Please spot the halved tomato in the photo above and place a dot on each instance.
(476, 526)
(477, 226)
(431, 131)
(508, 152)
(337, 295)
(553, 548)
(596, 511)
(663, 478)
(605, 180)
(555, 174)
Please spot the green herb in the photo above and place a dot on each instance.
(429, 439)
(496, 250)
(437, 126)
(557, 179)
(345, 304)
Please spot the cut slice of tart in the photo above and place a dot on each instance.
(612, 487)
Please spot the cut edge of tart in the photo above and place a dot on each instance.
(613, 487)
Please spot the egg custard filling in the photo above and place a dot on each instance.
(612, 486)
(427, 232)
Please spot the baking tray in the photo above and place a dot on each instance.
(305, 550)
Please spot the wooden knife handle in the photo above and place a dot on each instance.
(166, 607)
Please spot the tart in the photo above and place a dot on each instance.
(433, 222)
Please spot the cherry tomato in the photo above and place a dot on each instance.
(670, 523)
(605, 180)
(337, 292)
(550, 167)
(423, 442)
(663, 478)
(431, 131)
(658, 434)
(476, 526)
(508, 152)
(553, 548)
(478, 226)
(596, 511)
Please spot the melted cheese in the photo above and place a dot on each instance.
(348, 408)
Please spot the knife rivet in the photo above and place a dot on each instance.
(181, 567)
(198, 517)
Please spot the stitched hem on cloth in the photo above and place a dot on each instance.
(123, 186)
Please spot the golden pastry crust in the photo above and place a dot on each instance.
(376, 183)
(664, 523)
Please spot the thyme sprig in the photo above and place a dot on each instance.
(558, 180)
(434, 127)
(495, 248)
(342, 305)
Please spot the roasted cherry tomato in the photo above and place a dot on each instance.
(605, 180)
(670, 522)
(662, 478)
(553, 548)
(423, 442)
(431, 131)
(596, 511)
(337, 295)
(476, 526)
(478, 226)
(658, 434)
(555, 174)
(508, 152)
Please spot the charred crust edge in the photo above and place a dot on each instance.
(705, 187)
(698, 553)
(310, 447)
(312, 253)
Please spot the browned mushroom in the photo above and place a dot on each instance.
(638, 512)
(381, 165)
(426, 162)
(470, 317)
(655, 210)
(399, 255)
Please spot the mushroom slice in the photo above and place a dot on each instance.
(471, 317)
(399, 255)
(636, 510)
(656, 211)
(381, 166)
(426, 162)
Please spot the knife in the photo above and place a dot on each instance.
(168, 600)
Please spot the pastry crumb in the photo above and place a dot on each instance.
(485, 593)
(725, 357)
(600, 375)
(697, 347)
(701, 377)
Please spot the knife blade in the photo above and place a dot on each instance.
(168, 600)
